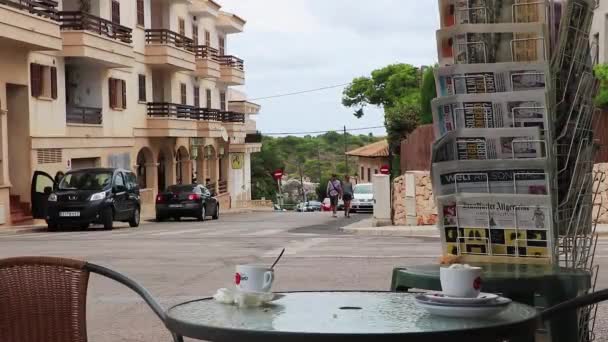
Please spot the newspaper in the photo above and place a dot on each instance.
(489, 144)
(491, 78)
(528, 177)
(498, 225)
(494, 43)
(496, 110)
(493, 11)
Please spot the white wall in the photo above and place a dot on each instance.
(600, 26)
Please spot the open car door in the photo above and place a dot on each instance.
(42, 186)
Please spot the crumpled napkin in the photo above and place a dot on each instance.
(242, 299)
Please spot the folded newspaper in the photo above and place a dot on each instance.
(489, 144)
(492, 43)
(458, 12)
(496, 225)
(491, 78)
(496, 110)
(527, 177)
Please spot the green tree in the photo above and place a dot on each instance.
(601, 72)
(427, 94)
(396, 88)
(263, 165)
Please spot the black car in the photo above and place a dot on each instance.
(187, 201)
(86, 196)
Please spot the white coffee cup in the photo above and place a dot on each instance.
(462, 282)
(252, 278)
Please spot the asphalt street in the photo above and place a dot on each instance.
(180, 261)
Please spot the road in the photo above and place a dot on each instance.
(179, 261)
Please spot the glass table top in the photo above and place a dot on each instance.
(337, 313)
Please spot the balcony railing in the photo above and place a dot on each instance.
(232, 117)
(43, 8)
(91, 23)
(164, 36)
(232, 62)
(206, 52)
(253, 138)
(84, 115)
(222, 187)
(164, 109)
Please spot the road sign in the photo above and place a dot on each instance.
(385, 170)
(278, 174)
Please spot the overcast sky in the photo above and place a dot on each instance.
(294, 45)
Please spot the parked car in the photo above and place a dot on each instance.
(363, 198)
(187, 201)
(86, 196)
(310, 206)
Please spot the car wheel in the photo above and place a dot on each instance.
(160, 218)
(52, 226)
(202, 214)
(177, 218)
(216, 216)
(84, 226)
(134, 222)
(107, 219)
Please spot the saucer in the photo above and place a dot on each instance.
(463, 311)
(483, 298)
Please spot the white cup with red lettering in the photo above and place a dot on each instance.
(253, 278)
(461, 281)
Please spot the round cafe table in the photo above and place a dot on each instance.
(337, 316)
(522, 283)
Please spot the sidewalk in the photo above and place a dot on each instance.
(364, 227)
(148, 214)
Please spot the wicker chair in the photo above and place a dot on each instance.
(43, 299)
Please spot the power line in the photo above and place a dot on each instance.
(299, 92)
(321, 132)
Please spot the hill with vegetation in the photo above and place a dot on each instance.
(312, 157)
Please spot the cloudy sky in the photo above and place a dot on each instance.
(294, 45)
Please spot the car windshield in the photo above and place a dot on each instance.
(86, 180)
(178, 189)
(364, 189)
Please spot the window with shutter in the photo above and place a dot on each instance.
(207, 38)
(222, 46)
(115, 12)
(54, 82)
(195, 34)
(197, 97)
(123, 85)
(182, 27)
(112, 93)
(36, 79)
(141, 17)
(208, 98)
(182, 88)
(142, 88)
(223, 101)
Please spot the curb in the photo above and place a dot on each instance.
(402, 232)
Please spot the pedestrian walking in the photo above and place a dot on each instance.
(334, 190)
(348, 193)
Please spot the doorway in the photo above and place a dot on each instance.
(19, 148)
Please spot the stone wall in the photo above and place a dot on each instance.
(601, 200)
(413, 201)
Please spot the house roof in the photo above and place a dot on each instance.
(376, 150)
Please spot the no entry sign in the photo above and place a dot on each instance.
(278, 174)
(385, 170)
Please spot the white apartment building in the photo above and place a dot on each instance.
(599, 32)
(137, 84)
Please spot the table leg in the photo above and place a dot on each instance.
(524, 298)
(564, 327)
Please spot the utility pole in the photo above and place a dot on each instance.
(346, 150)
(319, 162)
